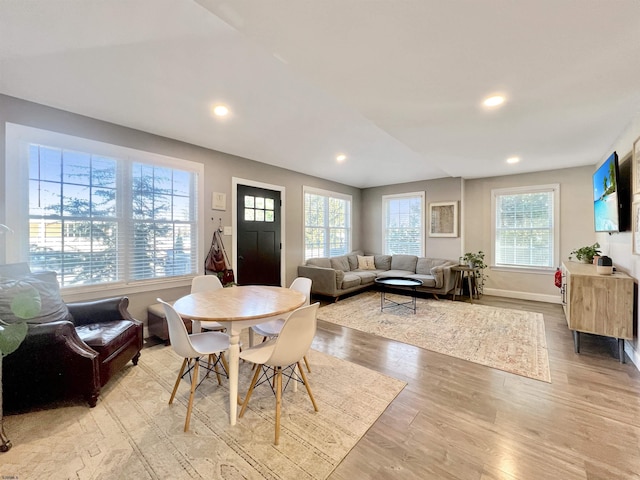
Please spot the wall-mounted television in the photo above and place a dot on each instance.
(606, 196)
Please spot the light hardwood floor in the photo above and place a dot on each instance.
(459, 420)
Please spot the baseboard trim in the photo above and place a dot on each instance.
(536, 297)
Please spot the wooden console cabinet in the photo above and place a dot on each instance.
(598, 304)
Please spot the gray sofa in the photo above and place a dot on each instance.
(336, 276)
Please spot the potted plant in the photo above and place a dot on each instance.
(24, 305)
(11, 336)
(476, 260)
(586, 254)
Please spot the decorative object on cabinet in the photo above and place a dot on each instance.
(597, 304)
(636, 167)
(586, 254)
(443, 219)
(604, 266)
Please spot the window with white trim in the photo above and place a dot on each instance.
(327, 223)
(525, 226)
(403, 218)
(102, 214)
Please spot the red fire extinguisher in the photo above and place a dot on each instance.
(558, 278)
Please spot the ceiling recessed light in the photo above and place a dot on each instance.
(513, 159)
(220, 110)
(341, 158)
(494, 101)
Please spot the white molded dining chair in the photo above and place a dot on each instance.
(272, 327)
(281, 355)
(203, 283)
(192, 348)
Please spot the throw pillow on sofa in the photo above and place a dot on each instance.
(366, 263)
(52, 307)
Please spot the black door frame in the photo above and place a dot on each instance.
(235, 181)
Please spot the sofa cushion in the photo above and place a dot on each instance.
(383, 262)
(353, 261)
(404, 262)
(396, 273)
(106, 338)
(19, 299)
(366, 263)
(350, 280)
(427, 280)
(340, 263)
(323, 262)
(366, 276)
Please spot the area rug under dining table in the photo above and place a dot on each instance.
(134, 433)
(501, 338)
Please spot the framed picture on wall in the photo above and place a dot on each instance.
(636, 228)
(443, 219)
(635, 162)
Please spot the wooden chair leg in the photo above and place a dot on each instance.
(224, 362)
(194, 384)
(306, 362)
(249, 392)
(215, 367)
(278, 403)
(306, 384)
(175, 387)
(209, 363)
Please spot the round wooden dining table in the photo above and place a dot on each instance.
(237, 308)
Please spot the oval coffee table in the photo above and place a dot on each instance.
(403, 282)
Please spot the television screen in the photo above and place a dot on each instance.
(606, 204)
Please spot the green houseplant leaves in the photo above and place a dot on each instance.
(26, 304)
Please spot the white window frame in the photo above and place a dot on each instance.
(549, 188)
(423, 213)
(18, 138)
(327, 194)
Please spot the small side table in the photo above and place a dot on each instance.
(470, 273)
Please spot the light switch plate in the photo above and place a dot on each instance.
(228, 230)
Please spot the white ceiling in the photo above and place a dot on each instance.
(396, 85)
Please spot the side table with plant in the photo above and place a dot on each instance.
(476, 260)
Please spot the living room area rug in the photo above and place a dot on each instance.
(134, 433)
(505, 339)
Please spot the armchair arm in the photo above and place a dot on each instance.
(63, 332)
(323, 280)
(449, 279)
(105, 310)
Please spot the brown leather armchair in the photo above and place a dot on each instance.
(71, 355)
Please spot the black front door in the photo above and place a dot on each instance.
(259, 243)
